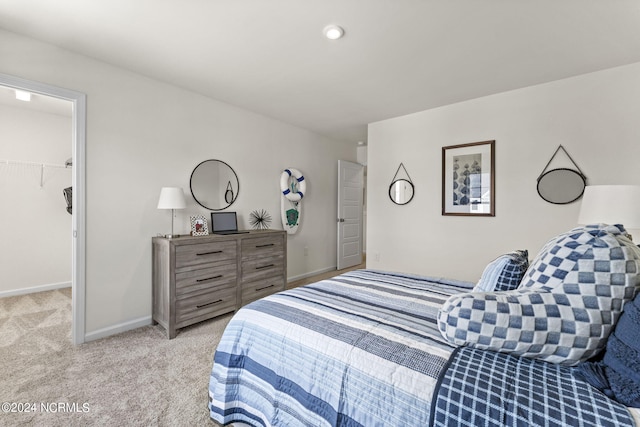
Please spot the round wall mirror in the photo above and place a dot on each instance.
(561, 186)
(401, 191)
(214, 185)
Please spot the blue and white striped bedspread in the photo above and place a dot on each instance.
(362, 348)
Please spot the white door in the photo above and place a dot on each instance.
(350, 201)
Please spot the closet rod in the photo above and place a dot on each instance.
(39, 164)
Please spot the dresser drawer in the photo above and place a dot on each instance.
(262, 247)
(252, 291)
(262, 268)
(204, 306)
(204, 278)
(204, 253)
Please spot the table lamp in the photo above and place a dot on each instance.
(611, 204)
(171, 198)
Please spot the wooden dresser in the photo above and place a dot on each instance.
(197, 278)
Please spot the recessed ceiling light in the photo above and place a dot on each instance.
(333, 32)
(22, 95)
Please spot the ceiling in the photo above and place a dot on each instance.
(397, 56)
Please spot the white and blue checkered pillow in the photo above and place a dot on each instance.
(504, 273)
(566, 306)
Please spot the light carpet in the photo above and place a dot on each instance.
(137, 378)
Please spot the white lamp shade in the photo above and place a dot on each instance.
(171, 198)
(611, 204)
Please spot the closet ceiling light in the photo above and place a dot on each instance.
(333, 32)
(22, 95)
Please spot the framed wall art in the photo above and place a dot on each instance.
(468, 179)
(199, 225)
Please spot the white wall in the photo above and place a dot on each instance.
(143, 135)
(35, 247)
(594, 116)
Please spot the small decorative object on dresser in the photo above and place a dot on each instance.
(199, 225)
(197, 278)
(260, 219)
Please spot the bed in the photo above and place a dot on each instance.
(375, 348)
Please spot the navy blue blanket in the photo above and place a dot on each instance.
(618, 373)
(495, 389)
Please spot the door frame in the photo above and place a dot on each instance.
(78, 222)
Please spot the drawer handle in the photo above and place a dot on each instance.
(264, 246)
(211, 303)
(264, 287)
(209, 278)
(264, 266)
(209, 253)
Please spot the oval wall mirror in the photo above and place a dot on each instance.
(229, 197)
(401, 191)
(214, 185)
(561, 186)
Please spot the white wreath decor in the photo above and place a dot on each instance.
(301, 186)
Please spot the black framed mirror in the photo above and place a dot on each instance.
(561, 186)
(401, 191)
(229, 197)
(214, 185)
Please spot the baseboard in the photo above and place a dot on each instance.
(34, 289)
(145, 321)
(313, 273)
(116, 329)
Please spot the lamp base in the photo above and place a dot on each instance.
(171, 236)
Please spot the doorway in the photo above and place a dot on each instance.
(350, 213)
(78, 144)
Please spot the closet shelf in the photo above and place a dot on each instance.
(39, 164)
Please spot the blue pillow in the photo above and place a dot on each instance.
(618, 373)
(504, 273)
